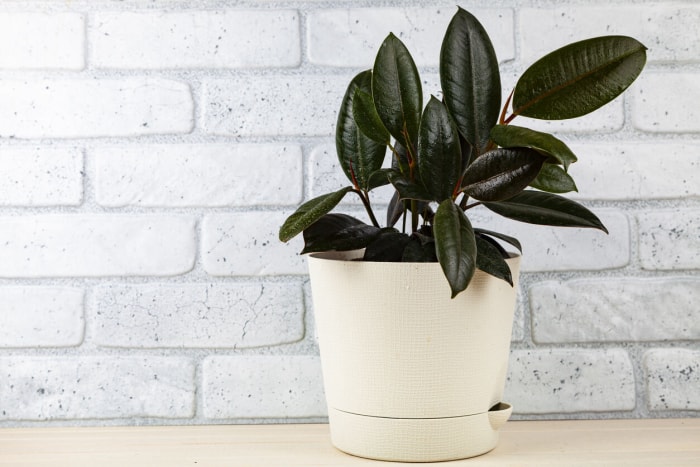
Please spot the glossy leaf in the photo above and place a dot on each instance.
(359, 155)
(509, 136)
(470, 78)
(338, 232)
(439, 153)
(553, 179)
(490, 260)
(578, 78)
(408, 189)
(387, 246)
(417, 251)
(367, 119)
(396, 89)
(537, 207)
(501, 173)
(455, 245)
(378, 178)
(310, 212)
(512, 240)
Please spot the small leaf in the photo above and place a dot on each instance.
(470, 78)
(338, 232)
(455, 245)
(509, 136)
(408, 189)
(359, 155)
(501, 173)
(490, 260)
(310, 212)
(396, 89)
(439, 153)
(554, 179)
(538, 207)
(513, 241)
(367, 119)
(578, 78)
(378, 178)
(387, 246)
(417, 251)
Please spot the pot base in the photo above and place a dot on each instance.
(417, 439)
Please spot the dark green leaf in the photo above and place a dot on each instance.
(501, 173)
(338, 232)
(399, 160)
(538, 207)
(359, 155)
(396, 89)
(367, 119)
(388, 246)
(455, 245)
(554, 179)
(513, 241)
(510, 136)
(417, 251)
(439, 154)
(470, 78)
(378, 178)
(578, 78)
(490, 260)
(408, 189)
(395, 210)
(310, 212)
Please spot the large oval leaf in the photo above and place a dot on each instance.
(439, 153)
(338, 232)
(553, 179)
(359, 155)
(366, 117)
(490, 260)
(578, 78)
(511, 136)
(501, 173)
(396, 90)
(455, 245)
(470, 79)
(538, 207)
(310, 212)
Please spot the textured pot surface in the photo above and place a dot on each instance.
(399, 356)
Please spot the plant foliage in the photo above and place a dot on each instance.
(461, 151)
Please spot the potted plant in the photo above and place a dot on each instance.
(414, 321)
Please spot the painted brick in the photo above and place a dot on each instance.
(669, 239)
(195, 39)
(351, 37)
(562, 249)
(273, 105)
(42, 41)
(41, 176)
(673, 379)
(639, 167)
(570, 380)
(198, 315)
(630, 309)
(199, 175)
(263, 387)
(96, 245)
(41, 316)
(667, 30)
(90, 108)
(658, 106)
(50, 388)
(247, 244)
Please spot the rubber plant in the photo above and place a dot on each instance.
(461, 150)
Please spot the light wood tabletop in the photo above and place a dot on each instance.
(670, 442)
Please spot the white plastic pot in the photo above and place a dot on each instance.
(411, 375)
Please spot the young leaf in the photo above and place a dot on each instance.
(387, 246)
(418, 252)
(538, 207)
(510, 136)
(578, 78)
(553, 179)
(490, 260)
(513, 241)
(367, 119)
(359, 155)
(470, 78)
(338, 232)
(310, 212)
(501, 173)
(439, 153)
(396, 89)
(408, 189)
(455, 245)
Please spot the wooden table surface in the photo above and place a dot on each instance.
(671, 442)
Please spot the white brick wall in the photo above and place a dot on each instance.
(149, 152)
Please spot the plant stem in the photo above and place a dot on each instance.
(414, 215)
(473, 205)
(364, 196)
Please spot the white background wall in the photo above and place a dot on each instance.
(149, 151)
